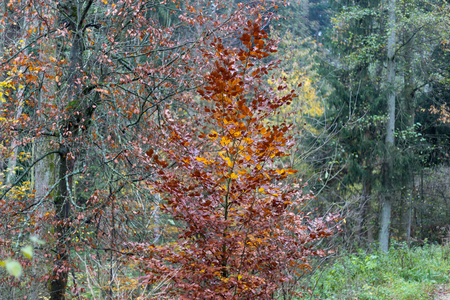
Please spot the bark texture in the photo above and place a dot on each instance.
(387, 194)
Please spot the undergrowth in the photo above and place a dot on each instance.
(401, 274)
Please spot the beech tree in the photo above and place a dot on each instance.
(245, 235)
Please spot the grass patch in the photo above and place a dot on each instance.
(401, 274)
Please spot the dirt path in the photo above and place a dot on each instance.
(442, 293)
(444, 297)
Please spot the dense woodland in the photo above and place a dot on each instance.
(206, 149)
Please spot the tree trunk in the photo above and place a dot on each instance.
(44, 173)
(387, 193)
(62, 210)
(15, 32)
(409, 108)
(12, 163)
(366, 214)
(70, 14)
(409, 216)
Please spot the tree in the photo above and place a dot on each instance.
(386, 205)
(243, 234)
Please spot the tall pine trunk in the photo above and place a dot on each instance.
(409, 107)
(387, 193)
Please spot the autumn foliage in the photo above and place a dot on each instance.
(243, 233)
(138, 157)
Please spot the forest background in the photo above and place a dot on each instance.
(205, 149)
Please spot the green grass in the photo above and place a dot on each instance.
(401, 274)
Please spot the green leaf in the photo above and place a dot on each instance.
(14, 268)
(28, 252)
(35, 239)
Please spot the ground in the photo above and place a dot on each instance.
(443, 293)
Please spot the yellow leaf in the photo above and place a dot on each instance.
(14, 268)
(227, 159)
(229, 163)
(248, 140)
(225, 141)
(201, 159)
(261, 190)
(213, 135)
(28, 252)
(233, 176)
